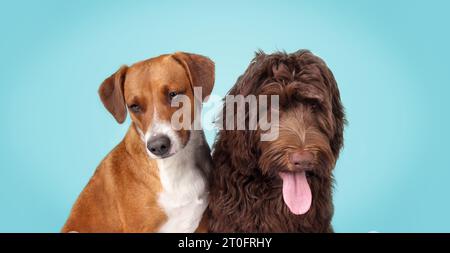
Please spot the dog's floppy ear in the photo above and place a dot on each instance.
(200, 70)
(111, 94)
(338, 111)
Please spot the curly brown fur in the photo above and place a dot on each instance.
(246, 189)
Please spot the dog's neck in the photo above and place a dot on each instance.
(183, 178)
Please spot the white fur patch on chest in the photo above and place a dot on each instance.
(184, 197)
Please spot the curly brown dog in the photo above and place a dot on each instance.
(283, 185)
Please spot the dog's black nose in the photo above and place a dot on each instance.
(159, 145)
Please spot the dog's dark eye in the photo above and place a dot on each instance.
(314, 105)
(135, 108)
(173, 94)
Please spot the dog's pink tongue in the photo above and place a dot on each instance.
(296, 192)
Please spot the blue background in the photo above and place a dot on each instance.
(390, 59)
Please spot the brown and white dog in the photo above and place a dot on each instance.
(155, 180)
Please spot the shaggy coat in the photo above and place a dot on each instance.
(246, 189)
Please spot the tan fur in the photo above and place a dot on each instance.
(118, 197)
(122, 195)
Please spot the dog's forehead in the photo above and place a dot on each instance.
(162, 70)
